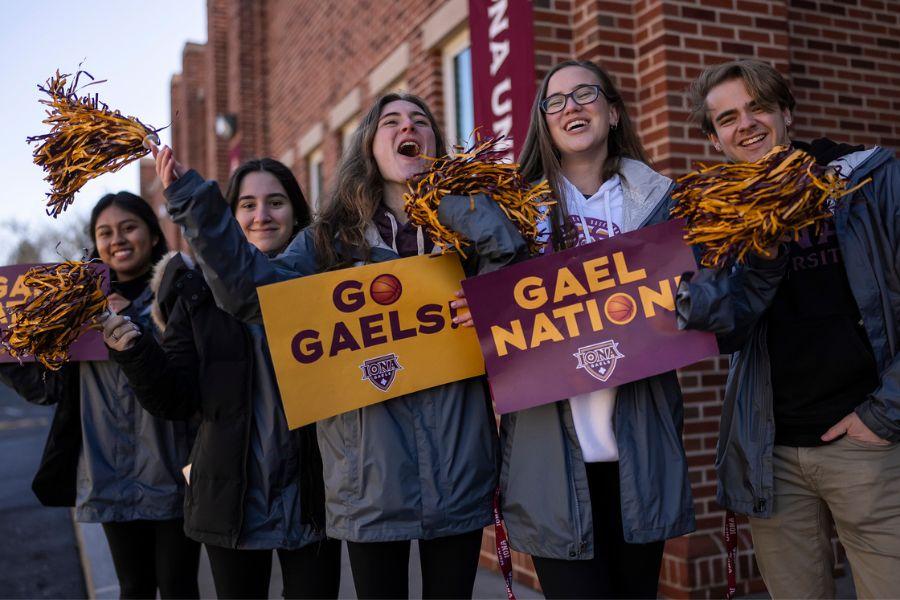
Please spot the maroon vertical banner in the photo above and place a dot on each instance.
(502, 38)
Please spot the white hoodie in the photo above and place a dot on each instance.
(595, 218)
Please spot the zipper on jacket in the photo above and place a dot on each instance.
(248, 339)
(578, 540)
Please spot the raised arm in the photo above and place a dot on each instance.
(232, 266)
(495, 240)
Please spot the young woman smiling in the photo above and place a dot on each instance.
(115, 462)
(592, 486)
(254, 486)
(420, 466)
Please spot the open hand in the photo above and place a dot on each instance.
(853, 427)
(462, 318)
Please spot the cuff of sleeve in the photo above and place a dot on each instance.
(756, 262)
(871, 420)
(133, 353)
(182, 189)
(687, 303)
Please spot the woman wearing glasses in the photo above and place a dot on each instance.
(592, 486)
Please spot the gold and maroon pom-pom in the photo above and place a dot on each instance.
(66, 297)
(733, 209)
(479, 169)
(86, 139)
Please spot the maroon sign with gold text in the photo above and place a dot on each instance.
(584, 319)
(13, 292)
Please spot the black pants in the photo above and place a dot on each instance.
(618, 570)
(313, 571)
(449, 564)
(151, 555)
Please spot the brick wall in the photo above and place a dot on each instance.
(285, 66)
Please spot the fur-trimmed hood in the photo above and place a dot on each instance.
(166, 271)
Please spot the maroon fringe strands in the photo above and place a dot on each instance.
(66, 297)
(733, 209)
(86, 139)
(479, 169)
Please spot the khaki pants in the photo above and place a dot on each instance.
(857, 485)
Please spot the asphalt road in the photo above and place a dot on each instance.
(38, 554)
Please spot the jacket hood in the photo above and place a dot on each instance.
(643, 189)
(858, 165)
(169, 268)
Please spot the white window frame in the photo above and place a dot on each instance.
(347, 131)
(315, 165)
(449, 51)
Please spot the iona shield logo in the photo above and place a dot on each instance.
(381, 370)
(599, 360)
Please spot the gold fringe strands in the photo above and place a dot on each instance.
(733, 209)
(479, 169)
(65, 298)
(86, 139)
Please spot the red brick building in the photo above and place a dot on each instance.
(290, 79)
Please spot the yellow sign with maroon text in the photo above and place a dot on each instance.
(350, 338)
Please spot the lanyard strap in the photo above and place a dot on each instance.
(504, 556)
(729, 532)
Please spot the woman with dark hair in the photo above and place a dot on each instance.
(253, 485)
(420, 466)
(592, 486)
(113, 461)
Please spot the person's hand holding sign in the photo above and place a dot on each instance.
(462, 319)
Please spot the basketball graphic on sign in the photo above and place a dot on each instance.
(620, 308)
(385, 289)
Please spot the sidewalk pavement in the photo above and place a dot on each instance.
(103, 585)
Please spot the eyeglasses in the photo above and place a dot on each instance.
(583, 94)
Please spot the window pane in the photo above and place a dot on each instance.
(465, 104)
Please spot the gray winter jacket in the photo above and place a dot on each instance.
(418, 466)
(129, 462)
(543, 481)
(734, 306)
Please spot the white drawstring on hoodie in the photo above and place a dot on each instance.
(592, 413)
(420, 237)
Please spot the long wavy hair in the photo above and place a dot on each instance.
(541, 159)
(339, 231)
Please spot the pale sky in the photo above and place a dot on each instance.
(135, 45)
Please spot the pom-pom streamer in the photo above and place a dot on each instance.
(733, 209)
(65, 298)
(479, 169)
(86, 139)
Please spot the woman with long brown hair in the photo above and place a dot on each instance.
(592, 486)
(420, 466)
